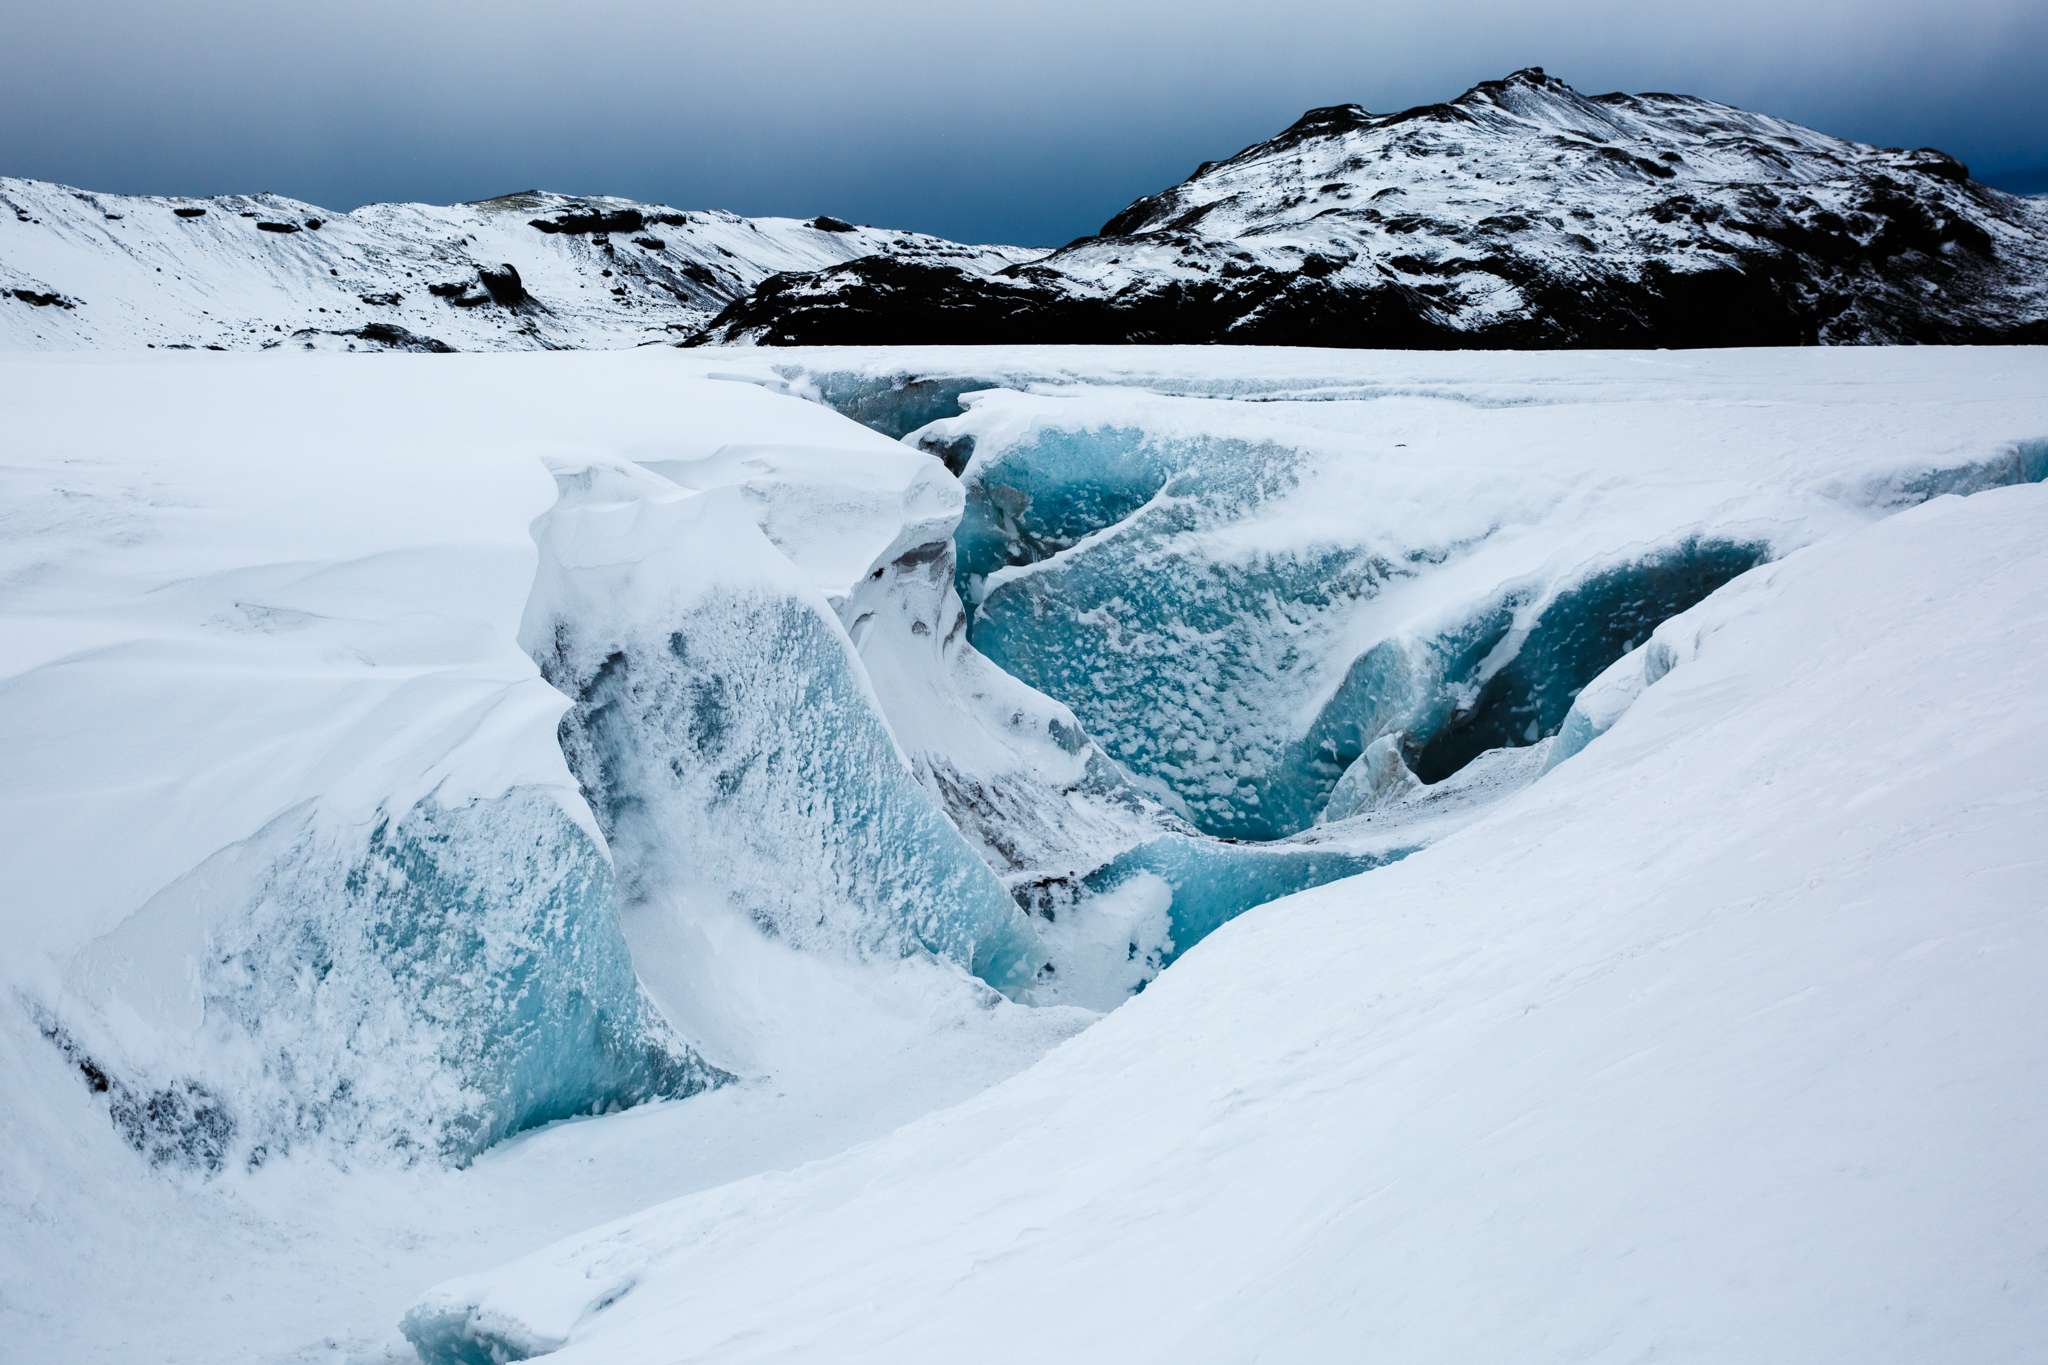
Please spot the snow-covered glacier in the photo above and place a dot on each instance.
(1238, 599)
(367, 902)
(1720, 1041)
(689, 764)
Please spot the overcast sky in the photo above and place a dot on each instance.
(1025, 121)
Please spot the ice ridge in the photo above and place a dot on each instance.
(429, 985)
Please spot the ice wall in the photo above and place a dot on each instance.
(298, 866)
(1012, 767)
(1506, 675)
(1187, 664)
(427, 985)
(728, 739)
(1236, 600)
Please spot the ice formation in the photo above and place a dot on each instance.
(1179, 573)
(388, 920)
(532, 736)
(426, 987)
(723, 730)
(1721, 1041)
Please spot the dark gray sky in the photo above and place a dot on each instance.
(1025, 121)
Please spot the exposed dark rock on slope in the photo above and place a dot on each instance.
(1521, 214)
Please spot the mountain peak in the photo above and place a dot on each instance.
(1521, 214)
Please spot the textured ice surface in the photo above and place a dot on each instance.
(427, 985)
(1507, 677)
(729, 742)
(1734, 1015)
(1237, 598)
(1181, 660)
(1013, 768)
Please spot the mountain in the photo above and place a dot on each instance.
(1521, 214)
(531, 270)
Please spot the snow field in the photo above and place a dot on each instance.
(280, 638)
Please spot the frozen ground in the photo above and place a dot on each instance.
(1701, 1029)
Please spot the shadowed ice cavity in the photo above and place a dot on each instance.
(893, 404)
(1506, 676)
(428, 984)
(1193, 886)
(1185, 668)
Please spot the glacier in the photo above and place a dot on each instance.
(1171, 569)
(724, 733)
(392, 916)
(552, 785)
(1717, 1041)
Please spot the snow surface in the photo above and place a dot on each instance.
(333, 591)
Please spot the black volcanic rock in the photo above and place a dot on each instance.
(1520, 214)
(503, 285)
(399, 339)
(583, 220)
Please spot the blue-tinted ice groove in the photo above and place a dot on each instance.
(1163, 656)
(1577, 635)
(450, 975)
(736, 755)
(1212, 881)
(893, 404)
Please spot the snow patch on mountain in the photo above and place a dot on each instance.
(534, 270)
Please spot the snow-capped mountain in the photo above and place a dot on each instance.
(531, 270)
(1519, 214)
